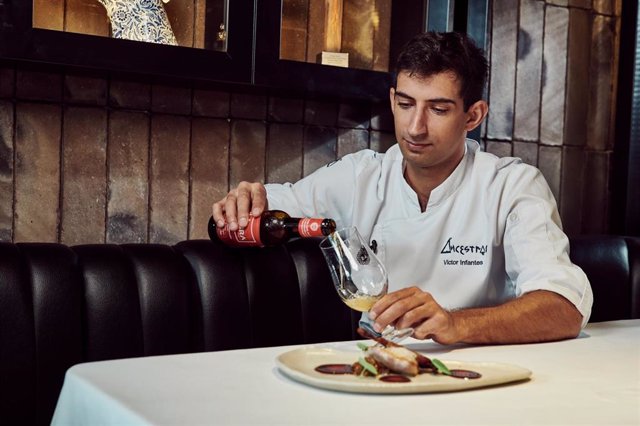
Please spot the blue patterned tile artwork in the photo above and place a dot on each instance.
(140, 20)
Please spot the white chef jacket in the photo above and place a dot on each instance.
(491, 231)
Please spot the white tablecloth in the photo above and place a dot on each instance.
(592, 380)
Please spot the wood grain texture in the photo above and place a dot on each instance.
(502, 79)
(209, 171)
(84, 175)
(529, 71)
(199, 29)
(48, 14)
(247, 152)
(182, 18)
(358, 32)
(320, 145)
(352, 140)
(381, 35)
(86, 17)
(169, 180)
(554, 90)
(37, 172)
(6, 171)
(284, 153)
(316, 30)
(293, 40)
(578, 81)
(333, 25)
(128, 181)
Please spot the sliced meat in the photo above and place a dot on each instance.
(397, 359)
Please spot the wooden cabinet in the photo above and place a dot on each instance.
(295, 33)
(336, 48)
(365, 35)
(76, 33)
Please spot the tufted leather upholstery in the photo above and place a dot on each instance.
(612, 264)
(63, 305)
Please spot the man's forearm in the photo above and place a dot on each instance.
(534, 317)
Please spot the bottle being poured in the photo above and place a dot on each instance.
(271, 228)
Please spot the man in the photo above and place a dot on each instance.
(473, 243)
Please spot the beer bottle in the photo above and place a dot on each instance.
(272, 227)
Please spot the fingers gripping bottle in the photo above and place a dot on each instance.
(271, 228)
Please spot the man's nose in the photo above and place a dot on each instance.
(418, 124)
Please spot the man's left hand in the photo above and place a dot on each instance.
(412, 307)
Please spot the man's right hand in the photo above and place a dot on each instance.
(248, 199)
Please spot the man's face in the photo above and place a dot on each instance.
(430, 121)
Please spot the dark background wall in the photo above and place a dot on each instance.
(98, 158)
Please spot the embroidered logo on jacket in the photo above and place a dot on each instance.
(463, 250)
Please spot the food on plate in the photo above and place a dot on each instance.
(388, 357)
(395, 358)
(392, 362)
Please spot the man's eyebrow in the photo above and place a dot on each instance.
(403, 95)
(433, 100)
(441, 101)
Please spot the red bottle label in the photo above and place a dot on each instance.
(247, 237)
(310, 227)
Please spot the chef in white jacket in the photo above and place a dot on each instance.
(473, 243)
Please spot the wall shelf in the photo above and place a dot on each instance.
(255, 32)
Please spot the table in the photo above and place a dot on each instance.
(594, 379)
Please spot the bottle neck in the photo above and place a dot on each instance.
(308, 227)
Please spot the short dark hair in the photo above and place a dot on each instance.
(432, 53)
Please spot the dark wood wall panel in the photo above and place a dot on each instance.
(352, 140)
(169, 179)
(284, 152)
(6, 170)
(209, 170)
(144, 163)
(320, 145)
(37, 172)
(247, 152)
(84, 175)
(172, 150)
(128, 179)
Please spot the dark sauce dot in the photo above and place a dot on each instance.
(334, 369)
(395, 378)
(465, 374)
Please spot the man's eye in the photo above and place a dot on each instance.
(405, 105)
(440, 111)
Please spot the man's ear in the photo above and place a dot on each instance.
(392, 93)
(475, 114)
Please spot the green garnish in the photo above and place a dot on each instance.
(368, 366)
(362, 346)
(442, 369)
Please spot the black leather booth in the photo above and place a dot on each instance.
(62, 305)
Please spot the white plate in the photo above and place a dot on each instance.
(300, 364)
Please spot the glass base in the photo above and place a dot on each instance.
(390, 333)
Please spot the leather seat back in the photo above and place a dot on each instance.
(61, 305)
(612, 264)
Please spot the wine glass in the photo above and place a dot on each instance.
(359, 277)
